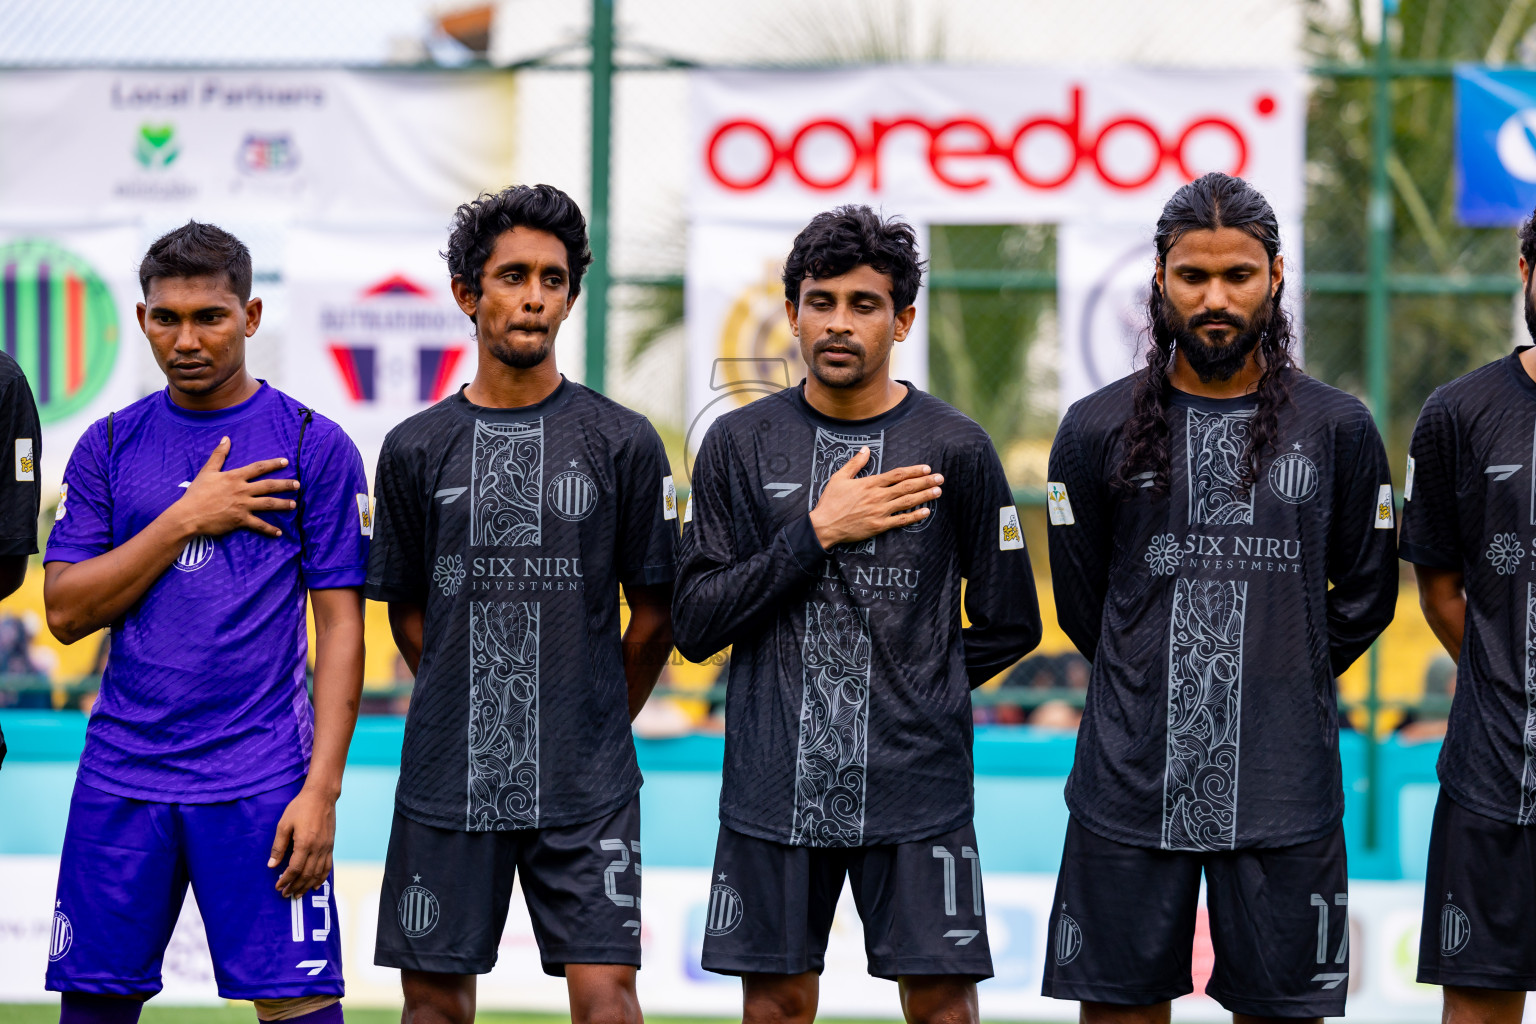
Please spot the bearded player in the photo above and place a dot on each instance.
(194, 523)
(830, 527)
(511, 515)
(1222, 547)
(1468, 520)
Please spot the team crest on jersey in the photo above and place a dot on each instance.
(725, 910)
(1068, 941)
(1293, 477)
(196, 554)
(62, 936)
(418, 911)
(572, 495)
(1455, 930)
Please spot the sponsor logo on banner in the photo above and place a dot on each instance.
(395, 305)
(156, 147)
(58, 321)
(267, 154)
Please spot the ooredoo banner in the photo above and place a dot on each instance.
(991, 146)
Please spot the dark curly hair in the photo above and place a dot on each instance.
(835, 242)
(477, 225)
(1214, 201)
(198, 250)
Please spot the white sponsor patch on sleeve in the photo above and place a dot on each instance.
(1383, 518)
(364, 515)
(1408, 486)
(58, 513)
(668, 498)
(1010, 536)
(688, 510)
(26, 466)
(1059, 505)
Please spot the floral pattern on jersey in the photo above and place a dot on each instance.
(1164, 554)
(833, 754)
(506, 483)
(1215, 444)
(503, 715)
(833, 450)
(1205, 674)
(448, 574)
(1506, 553)
(1528, 774)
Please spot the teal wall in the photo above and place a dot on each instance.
(1020, 815)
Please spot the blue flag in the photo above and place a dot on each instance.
(1495, 146)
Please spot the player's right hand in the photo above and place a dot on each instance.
(219, 502)
(854, 508)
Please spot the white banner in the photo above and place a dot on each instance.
(739, 343)
(946, 145)
(337, 146)
(1103, 281)
(1383, 952)
(373, 334)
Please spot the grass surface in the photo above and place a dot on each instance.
(48, 1013)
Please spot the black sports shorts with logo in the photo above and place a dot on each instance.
(446, 894)
(1479, 890)
(771, 906)
(1123, 925)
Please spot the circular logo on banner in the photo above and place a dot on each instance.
(1069, 939)
(58, 321)
(196, 554)
(725, 910)
(62, 938)
(418, 911)
(1293, 478)
(572, 495)
(1455, 930)
(1513, 144)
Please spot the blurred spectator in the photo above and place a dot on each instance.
(1060, 674)
(1056, 714)
(23, 663)
(1428, 721)
(396, 700)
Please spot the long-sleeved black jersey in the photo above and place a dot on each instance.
(848, 715)
(1470, 505)
(1211, 720)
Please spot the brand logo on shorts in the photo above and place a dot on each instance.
(196, 554)
(725, 910)
(572, 495)
(1069, 940)
(62, 938)
(418, 911)
(1455, 930)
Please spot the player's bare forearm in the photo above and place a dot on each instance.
(406, 622)
(647, 641)
(1443, 596)
(308, 825)
(82, 597)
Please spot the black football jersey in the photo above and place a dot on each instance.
(1218, 617)
(1470, 505)
(848, 713)
(514, 529)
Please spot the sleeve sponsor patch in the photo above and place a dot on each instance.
(1408, 486)
(58, 513)
(26, 465)
(688, 510)
(1059, 505)
(668, 498)
(364, 515)
(1383, 518)
(1010, 535)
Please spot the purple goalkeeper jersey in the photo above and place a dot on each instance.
(204, 696)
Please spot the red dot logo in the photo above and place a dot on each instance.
(1265, 105)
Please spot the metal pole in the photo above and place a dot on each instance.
(596, 282)
(1378, 314)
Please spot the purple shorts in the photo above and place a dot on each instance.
(123, 877)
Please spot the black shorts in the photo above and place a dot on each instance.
(1479, 891)
(446, 894)
(771, 906)
(1123, 925)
